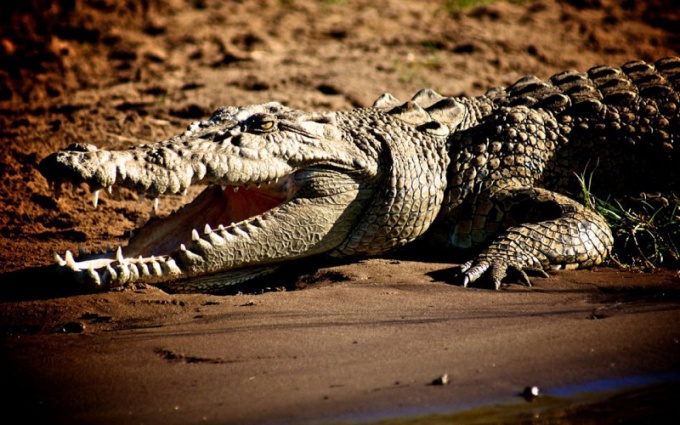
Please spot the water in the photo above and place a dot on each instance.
(634, 400)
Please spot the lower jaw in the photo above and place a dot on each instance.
(213, 207)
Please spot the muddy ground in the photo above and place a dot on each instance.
(361, 340)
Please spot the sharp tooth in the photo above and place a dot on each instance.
(94, 276)
(145, 269)
(119, 255)
(155, 206)
(235, 189)
(182, 247)
(259, 185)
(95, 198)
(134, 272)
(109, 189)
(111, 272)
(59, 260)
(194, 235)
(70, 262)
(172, 266)
(185, 191)
(207, 230)
(220, 227)
(216, 239)
(156, 266)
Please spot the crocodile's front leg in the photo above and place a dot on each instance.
(542, 230)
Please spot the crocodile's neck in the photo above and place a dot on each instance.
(404, 199)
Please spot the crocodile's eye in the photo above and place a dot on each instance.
(266, 125)
(262, 124)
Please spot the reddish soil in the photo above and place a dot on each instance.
(356, 339)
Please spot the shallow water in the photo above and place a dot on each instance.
(635, 400)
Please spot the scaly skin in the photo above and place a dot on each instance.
(494, 171)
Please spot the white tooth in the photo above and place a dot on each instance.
(207, 230)
(69, 260)
(185, 191)
(216, 239)
(223, 187)
(182, 247)
(109, 189)
(194, 235)
(145, 269)
(241, 232)
(276, 180)
(134, 272)
(172, 266)
(94, 276)
(235, 189)
(119, 255)
(155, 206)
(59, 260)
(156, 266)
(220, 227)
(95, 198)
(112, 272)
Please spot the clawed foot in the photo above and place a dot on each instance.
(496, 270)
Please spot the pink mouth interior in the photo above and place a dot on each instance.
(214, 206)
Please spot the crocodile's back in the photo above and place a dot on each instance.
(623, 124)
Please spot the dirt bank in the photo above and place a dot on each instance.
(364, 338)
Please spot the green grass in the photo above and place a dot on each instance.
(646, 229)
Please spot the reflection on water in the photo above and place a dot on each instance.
(636, 400)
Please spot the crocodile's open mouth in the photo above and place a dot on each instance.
(216, 207)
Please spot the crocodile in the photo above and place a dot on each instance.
(496, 174)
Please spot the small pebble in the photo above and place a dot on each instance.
(442, 380)
(531, 393)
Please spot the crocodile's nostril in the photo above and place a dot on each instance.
(237, 140)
